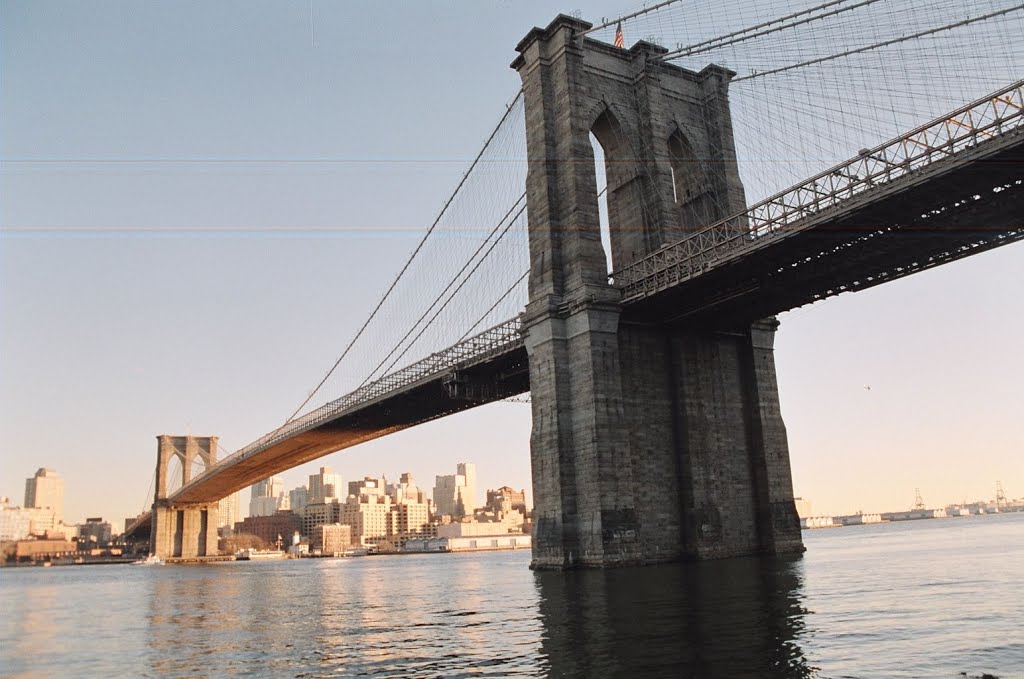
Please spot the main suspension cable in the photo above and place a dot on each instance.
(508, 111)
(884, 43)
(768, 28)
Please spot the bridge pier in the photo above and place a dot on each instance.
(651, 441)
(704, 405)
(183, 530)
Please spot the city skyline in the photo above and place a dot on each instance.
(125, 316)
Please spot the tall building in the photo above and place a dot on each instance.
(265, 496)
(298, 498)
(455, 494)
(367, 486)
(270, 487)
(45, 490)
(324, 487)
(370, 517)
(411, 510)
(406, 490)
(229, 511)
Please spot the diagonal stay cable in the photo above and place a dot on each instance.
(494, 306)
(441, 295)
(508, 111)
(461, 285)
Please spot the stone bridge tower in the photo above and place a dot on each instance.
(651, 442)
(183, 531)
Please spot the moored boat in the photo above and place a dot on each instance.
(259, 554)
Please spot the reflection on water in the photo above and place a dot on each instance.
(732, 618)
(935, 599)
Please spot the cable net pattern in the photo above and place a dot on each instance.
(824, 108)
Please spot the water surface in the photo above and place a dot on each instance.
(940, 598)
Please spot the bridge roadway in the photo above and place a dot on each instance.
(885, 215)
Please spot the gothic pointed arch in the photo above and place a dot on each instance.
(691, 199)
(623, 196)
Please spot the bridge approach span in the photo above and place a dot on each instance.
(481, 369)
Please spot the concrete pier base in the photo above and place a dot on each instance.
(184, 532)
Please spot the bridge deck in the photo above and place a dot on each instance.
(945, 190)
(948, 210)
(482, 369)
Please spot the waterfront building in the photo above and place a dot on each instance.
(913, 514)
(43, 549)
(269, 528)
(818, 522)
(324, 487)
(502, 526)
(858, 519)
(45, 491)
(43, 520)
(455, 494)
(412, 510)
(15, 522)
(370, 517)
(412, 518)
(96, 532)
(332, 538)
(318, 514)
(803, 507)
(468, 544)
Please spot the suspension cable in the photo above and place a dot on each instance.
(463, 283)
(745, 34)
(884, 43)
(627, 17)
(508, 111)
(494, 306)
(441, 295)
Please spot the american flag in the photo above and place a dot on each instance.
(620, 41)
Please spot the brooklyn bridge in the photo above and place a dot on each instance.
(635, 261)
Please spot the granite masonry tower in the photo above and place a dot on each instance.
(184, 531)
(651, 441)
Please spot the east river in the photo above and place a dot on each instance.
(938, 598)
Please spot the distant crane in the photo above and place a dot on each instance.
(918, 500)
(1000, 495)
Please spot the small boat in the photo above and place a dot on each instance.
(151, 560)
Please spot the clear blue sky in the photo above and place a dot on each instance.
(131, 312)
